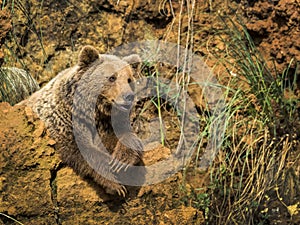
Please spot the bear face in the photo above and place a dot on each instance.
(117, 87)
(115, 76)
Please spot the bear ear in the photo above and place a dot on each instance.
(87, 55)
(132, 59)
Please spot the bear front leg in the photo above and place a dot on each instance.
(127, 152)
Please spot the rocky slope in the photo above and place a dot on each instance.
(35, 188)
(46, 33)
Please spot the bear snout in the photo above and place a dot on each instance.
(125, 102)
(128, 97)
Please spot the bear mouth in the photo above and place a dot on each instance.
(124, 107)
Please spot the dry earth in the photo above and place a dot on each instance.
(5, 26)
(45, 34)
(35, 188)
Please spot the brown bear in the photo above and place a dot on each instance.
(54, 104)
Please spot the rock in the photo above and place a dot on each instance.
(275, 29)
(25, 176)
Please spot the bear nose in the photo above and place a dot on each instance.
(129, 97)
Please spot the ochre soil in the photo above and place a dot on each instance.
(35, 187)
(5, 26)
(275, 29)
(46, 36)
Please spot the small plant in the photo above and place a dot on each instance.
(202, 201)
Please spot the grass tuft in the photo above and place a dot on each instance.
(16, 85)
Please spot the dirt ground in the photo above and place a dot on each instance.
(5, 24)
(274, 26)
(35, 188)
(46, 35)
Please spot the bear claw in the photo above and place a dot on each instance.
(122, 191)
(116, 165)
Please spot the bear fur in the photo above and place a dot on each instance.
(54, 104)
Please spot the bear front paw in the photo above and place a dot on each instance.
(123, 159)
(132, 141)
(116, 188)
(125, 156)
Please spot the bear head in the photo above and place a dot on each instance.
(114, 74)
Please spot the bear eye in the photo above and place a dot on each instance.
(112, 78)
